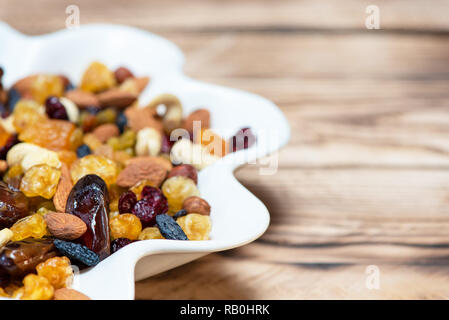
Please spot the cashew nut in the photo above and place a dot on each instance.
(149, 142)
(70, 108)
(5, 236)
(28, 155)
(184, 151)
(172, 118)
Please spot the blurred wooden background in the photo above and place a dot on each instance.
(365, 178)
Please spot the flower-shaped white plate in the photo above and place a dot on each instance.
(238, 217)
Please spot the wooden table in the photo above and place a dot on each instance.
(365, 178)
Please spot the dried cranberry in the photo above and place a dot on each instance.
(119, 243)
(243, 139)
(55, 109)
(148, 208)
(152, 193)
(12, 140)
(166, 144)
(127, 202)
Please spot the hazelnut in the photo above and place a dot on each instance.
(122, 73)
(196, 204)
(185, 170)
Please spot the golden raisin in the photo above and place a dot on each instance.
(3, 293)
(34, 288)
(150, 233)
(125, 226)
(68, 157)
(92, 141)
(51, 134)
(195, 226)
(97, 77)
(176, 189)
(4, 136)
(92, 164)
(33, 226)
(45, 85)
(27, 112)
(57, 270)
(13, 176)
(40, 180)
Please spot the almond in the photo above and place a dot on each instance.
(116, 98)
(164, 162)
(82, 99)
(23, 86)
(201, 115)
(139, 118)
(106, 131)
(65, 226)
(196, 204)
(135, 85)
(63, 190)
(141, 83)
(69, 294)
(139, 169)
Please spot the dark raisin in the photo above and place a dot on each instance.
(55, 109)
(121, 122)
(13, 206)
(69, 86)
(119, 243)
(169, 228)
(19, 258)
(89, 200)
(12, 140)
(243, 139)
(179, 214)
(83, 150)
(126, 202)
(92, 109)
(78, 252)
(13, 98)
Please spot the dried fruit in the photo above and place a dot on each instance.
(196, 204)
(106, 116)
(55, 109)
(33, 226)
(212, 142)
(89, 200)
(45, 86)
(13, 98)
(137, 171)
(125, 226)
(179, 214)
(177, 189)
(69, 294)
(63, 189)
(57, 270)
(58, 134)
(17, 259)
(35, 287)
(150, 233)
(185, 170)
(83, 150)
(169, 228)
(121, 122)
(67, 157)
(78, 252)
(41, 180)
(148, 208)
(13, 206)
(243, 139)
(93, 164)
(12, 140)
(65, 226)
(119, 243)
(195, 226)
(91, 141)
(127, 202)
(27, 113)
(97, 77)
(166, 144)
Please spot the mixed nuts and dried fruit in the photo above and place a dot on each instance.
(86, 171)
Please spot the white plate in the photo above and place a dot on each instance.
(238, 216)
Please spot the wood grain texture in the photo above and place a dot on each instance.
(365, 178)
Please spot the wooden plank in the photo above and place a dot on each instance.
(235, 15)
